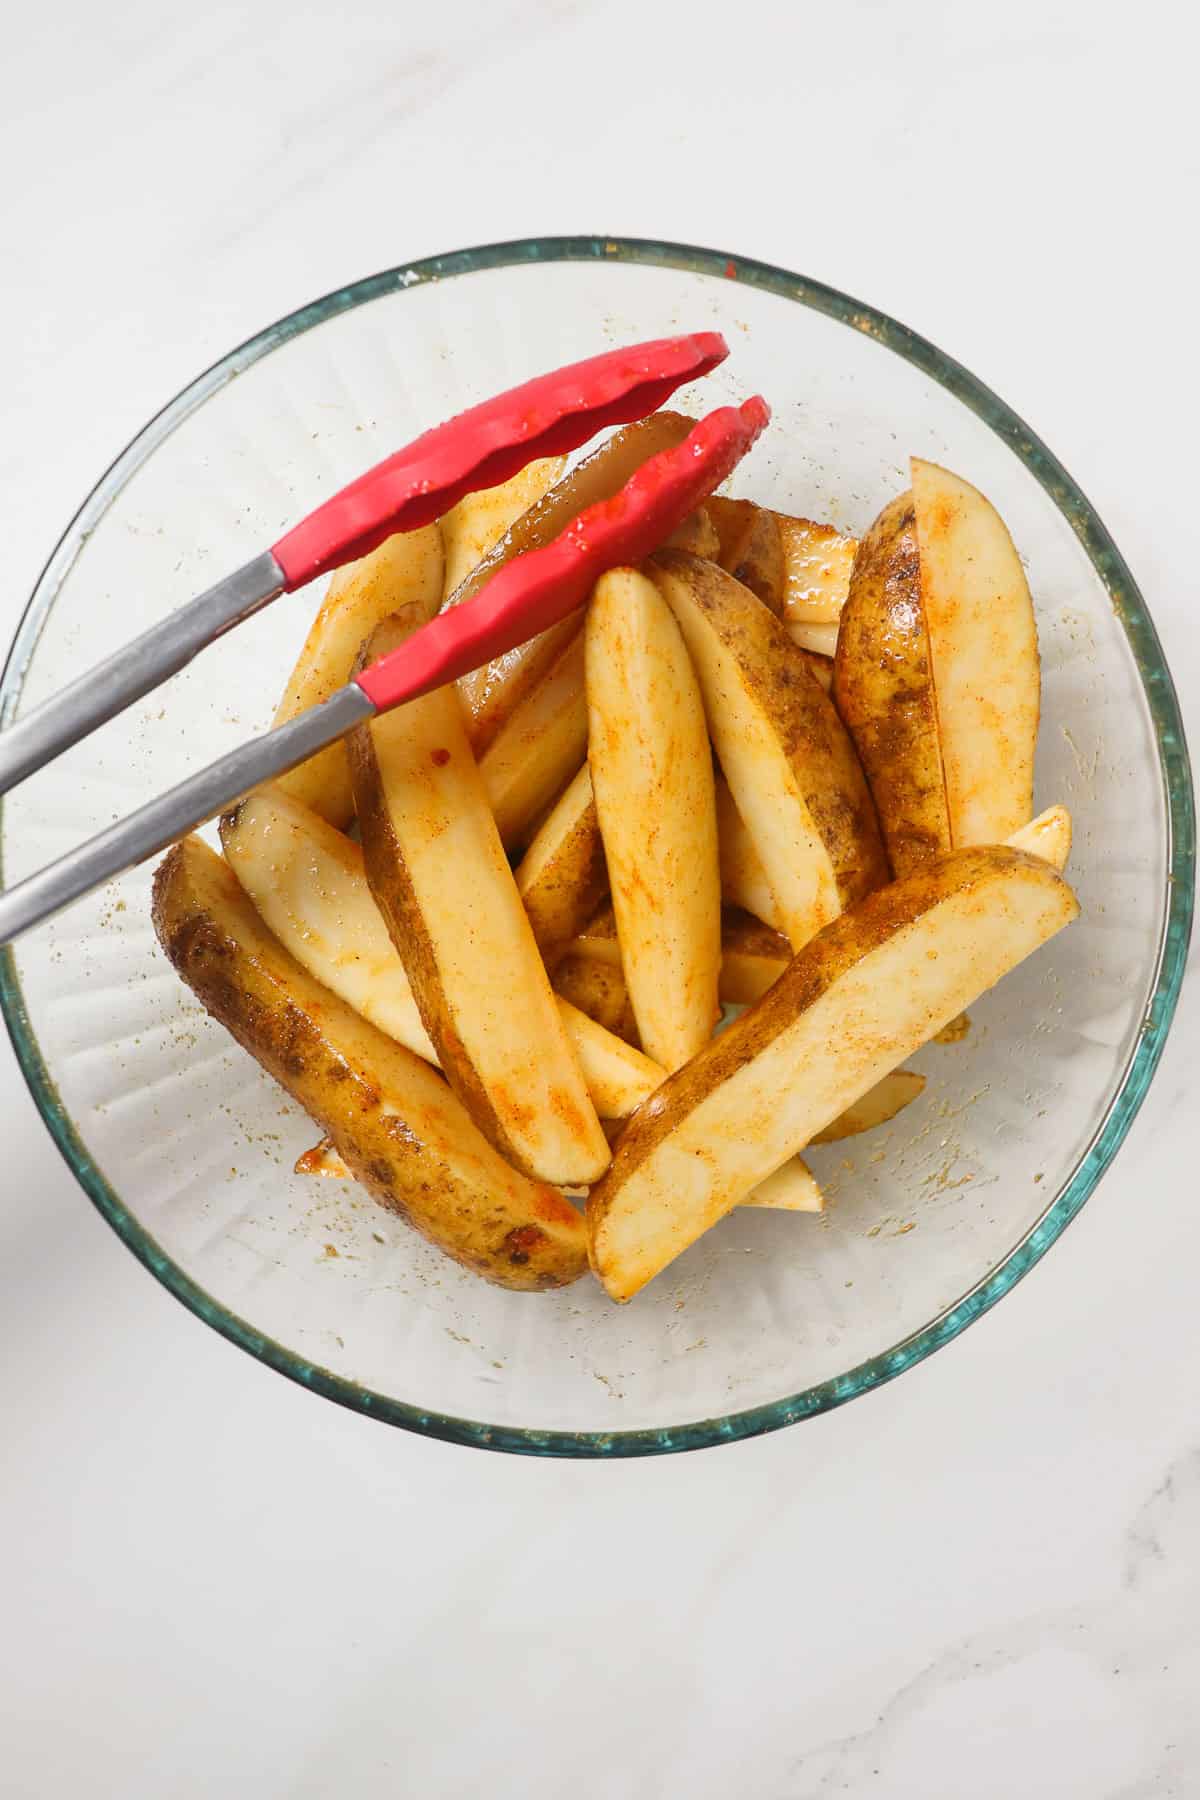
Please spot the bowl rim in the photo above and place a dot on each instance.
(1178, 801)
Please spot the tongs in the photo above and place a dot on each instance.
(478, 449)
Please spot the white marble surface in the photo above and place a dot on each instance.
(982, 1580)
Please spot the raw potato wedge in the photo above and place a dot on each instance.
(406, 570)
(873, 987)
(876, 1107)
(883, 687)
(983, 654)
(753, 957)
(793, 1188)
(790, 765)
(1047, 836)
(473, 527)
(598, 989)
(390, 1116)
(308, 883)
(652, 777)
(821, 666)
(743, 879)
(538, 748)
(490, 694)
(439, 876)
(750, 548)
(817, 560)
(563, 877)
(815, 640)
(697, 533)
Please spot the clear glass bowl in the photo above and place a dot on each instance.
(187, 1148)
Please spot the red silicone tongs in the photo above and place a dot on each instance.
(478, 449)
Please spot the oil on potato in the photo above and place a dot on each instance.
(390, 1116)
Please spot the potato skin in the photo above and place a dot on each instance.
(883, 688)
(393, 1119)
(563, 877)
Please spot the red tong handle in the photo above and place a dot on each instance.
(486, 444)
(536, 590)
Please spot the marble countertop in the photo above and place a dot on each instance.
(981, 1580)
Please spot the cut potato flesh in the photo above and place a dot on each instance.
(597, 988)
(390, 1116)
(883, 687)
(815, 640)
(873, 987)
(490, 694)
(753, 957)
(790, 765)
(652, 778)
(308, 883)
(1047, 836)
(749, 548)
(793, 1188)
(438, 873)
(817, 560)
(743, 879)
(563, 877)
(984, 656)
(821, 666)
(475, 526)
(697, 533)
(877, 1106)
(538, 748)
(406, 570)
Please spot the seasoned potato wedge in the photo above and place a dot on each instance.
(697, 533)
(308, 883)
(876, 1107)
(406, 570)
(983, 654)
(439, 876)
(815, 640)
(597, 988)
(753, 957)
(750, 548)
(874, 986)
(1047, 836)
(652, 777)
(475, 526)
(390, 1116)
(790, 765)
(793, 1188)
(883, 686)
(563, 877)
(820, 665)
(538, 748)
(490, 694)
(817, 560)
(743, 879)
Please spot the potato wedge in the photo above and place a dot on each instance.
(883, 687)
(793, 1188)
(697, 533)
(874, 986)
(820, 665)
(817, 560)
(563, 877)
(877, 1106)
(750, 548)
(308, 883)
(438, 873)
(391, 1117)
(815, 640)
(598, 989)
(983, 653)
(406, 570)
(743, 879)
(1047, 836)
(753, 957)
(475, 526)
(538, 748)
(652, 777)
(490, 694)
(790, 765)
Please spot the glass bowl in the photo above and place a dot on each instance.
(187, 1148)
